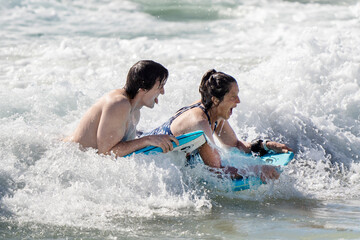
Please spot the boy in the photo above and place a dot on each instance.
(110, 124)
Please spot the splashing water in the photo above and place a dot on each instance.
(298, 69)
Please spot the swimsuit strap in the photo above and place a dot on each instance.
(165, 127)
(184, 109)
(207, 114)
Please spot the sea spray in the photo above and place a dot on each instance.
(297, 67)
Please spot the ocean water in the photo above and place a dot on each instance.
(297, 64)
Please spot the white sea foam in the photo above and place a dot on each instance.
(298, 70)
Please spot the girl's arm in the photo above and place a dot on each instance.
(227, 136)
(211, 157)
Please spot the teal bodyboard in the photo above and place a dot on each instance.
(277, 159)
(187, 143)
(271, 158)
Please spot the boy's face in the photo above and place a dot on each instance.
(151, 96)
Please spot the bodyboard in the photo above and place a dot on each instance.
(277, 159)
(271, 158)
(187, 144)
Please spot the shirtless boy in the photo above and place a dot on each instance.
(110, 124)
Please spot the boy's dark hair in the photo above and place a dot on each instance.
(214, 84)
(144, 74)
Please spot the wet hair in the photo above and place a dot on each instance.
(144, 75)
(214, 84)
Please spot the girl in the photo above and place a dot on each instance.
(219, 96)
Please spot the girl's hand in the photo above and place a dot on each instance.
(278, 147)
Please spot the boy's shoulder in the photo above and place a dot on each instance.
(117, 99)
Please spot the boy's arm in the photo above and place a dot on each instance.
(113, 126)
(162, 141)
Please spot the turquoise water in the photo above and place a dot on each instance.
(298, 69)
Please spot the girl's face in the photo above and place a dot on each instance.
(230, 101)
